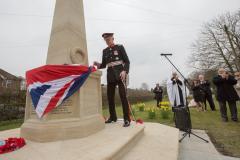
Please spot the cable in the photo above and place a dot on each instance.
(152, 11)
(132, 21)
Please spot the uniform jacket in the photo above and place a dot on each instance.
(225, 88)
(112, 54)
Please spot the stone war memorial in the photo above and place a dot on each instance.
(76, 129)
(80, 115)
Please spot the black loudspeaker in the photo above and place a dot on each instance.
(182, 118)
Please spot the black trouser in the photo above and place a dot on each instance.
(233, 109)
(159, 100)
(111, 102)
(208, 97)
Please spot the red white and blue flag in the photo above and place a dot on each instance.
(50, 85)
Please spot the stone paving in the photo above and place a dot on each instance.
(195, 149)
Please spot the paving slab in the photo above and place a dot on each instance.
(159, 142)
(195, 149)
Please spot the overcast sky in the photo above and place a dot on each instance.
(145, 27)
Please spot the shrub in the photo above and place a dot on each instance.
(133, 107)
(165, 110)
(141, 107)
(152, 113)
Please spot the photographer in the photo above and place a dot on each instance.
(237, 86)
(226, 94)
(176, 91)
(198, 95)
(205, 85)
(158, 91)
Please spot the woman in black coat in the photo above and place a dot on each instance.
(198, 95)
(226, 94)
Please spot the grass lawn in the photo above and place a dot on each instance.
(225, 136)
(5, 125)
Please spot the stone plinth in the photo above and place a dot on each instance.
(150, 141)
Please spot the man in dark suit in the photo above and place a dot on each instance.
(158, 91)
(205, 85)
(115, 58)
(226, 94)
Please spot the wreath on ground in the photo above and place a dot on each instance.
(11, 144)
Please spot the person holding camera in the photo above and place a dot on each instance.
(206, 86)
(237, 86)
(198, 95)
(158, 91)
(226, 93)
(176, 91)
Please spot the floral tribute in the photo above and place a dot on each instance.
(11, 144)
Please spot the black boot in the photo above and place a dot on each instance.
(225, 119)
(110, 120)
(126, 123)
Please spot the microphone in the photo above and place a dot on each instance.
(168, 54)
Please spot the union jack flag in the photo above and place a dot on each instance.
(50, 85)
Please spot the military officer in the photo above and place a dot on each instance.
(116, 60)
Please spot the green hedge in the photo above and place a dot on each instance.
(134, 96)
(11, 111)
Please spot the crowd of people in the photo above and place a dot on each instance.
(202, 93)
(227, 92)
(116, 60)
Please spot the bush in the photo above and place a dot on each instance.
(151, 114)
(165, 114)
(11, 111)
(134, 96)
(133, 107)
(165, 110)
(141, 107)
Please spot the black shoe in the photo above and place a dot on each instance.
(225, 119)
(235, 119)
(126, 123)
(109, 120)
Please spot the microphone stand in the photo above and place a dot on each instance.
(189, 130)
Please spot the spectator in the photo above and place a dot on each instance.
(237, 86)
(158, 91)
(198, 95)
(205, 85)
(226, 94)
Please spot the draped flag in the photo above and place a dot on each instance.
(50, 85)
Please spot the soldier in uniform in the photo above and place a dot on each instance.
(116, 60)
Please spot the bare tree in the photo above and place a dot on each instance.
(144, 86)
(218, 44)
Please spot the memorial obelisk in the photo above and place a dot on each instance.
(81, 114)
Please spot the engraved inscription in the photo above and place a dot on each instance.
(64, 108)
